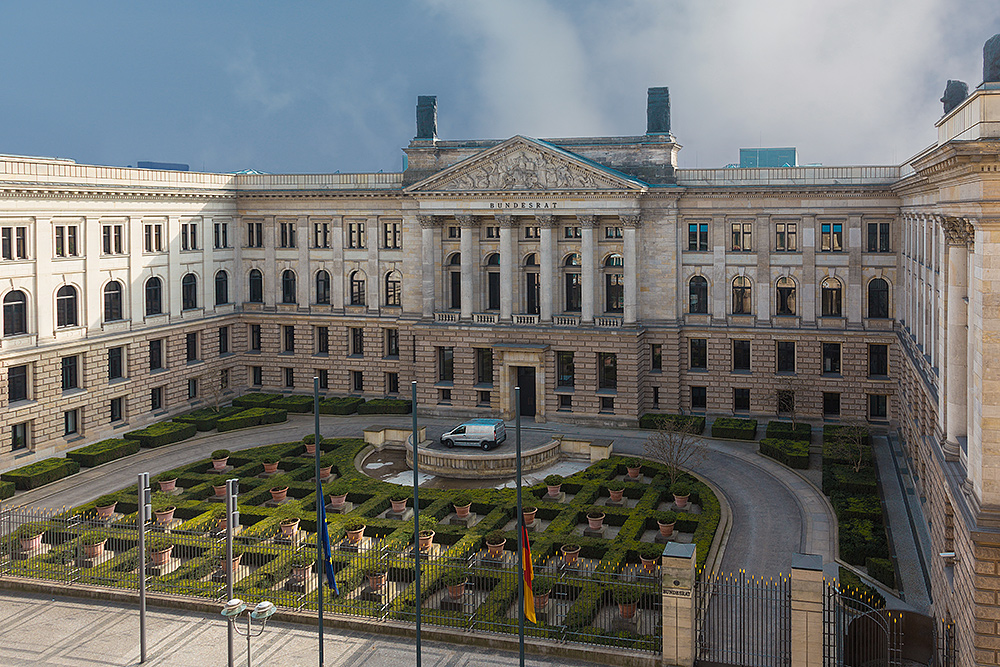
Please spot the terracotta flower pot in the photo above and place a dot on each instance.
(648, 565)
(168, 485)
(105, 511)
(311, 449)
(337, 502)
(635, 473)
(627, 610)
(376, 581)
(221, 523)
(31, 543)
(666, 529)
(529, 516)
(616, 496)
(595, 521)
(463, 511)
(681, 501)
(494, 550)
(354, 536)
(325, 472)
(426, 540)
(398, 506)
(289, 528)
(164, 516)
(161, 557)
(220, 464)
(220, 490)
(271, 468)
(301, 573)
(553, 491)
(93, 550)
(277, 495)
(457, 591)
(570, 554)
(541, 601)
(236, 561)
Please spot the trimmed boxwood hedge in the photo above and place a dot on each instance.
(385, 406)
(734, 429)
(255, 400)
(653, 420)
(205, 419)
(103, 451)
(788, 431)
(161, 434)
(38, 474)
(881, 569)
(838, 477)
(793, 453)
(340, 406)
(252, 417)
(297, 404)
(6, 490)
(861, 539)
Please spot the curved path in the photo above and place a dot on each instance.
(775, 512)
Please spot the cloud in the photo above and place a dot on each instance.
(251, 84)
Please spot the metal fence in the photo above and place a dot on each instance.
(858, 630)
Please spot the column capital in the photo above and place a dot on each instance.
(546, 221)
(506, 221)
(429, 221)
(587, 220)
(467, 221)
(958, 231)
(631, 220)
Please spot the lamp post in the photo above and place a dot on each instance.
(263, 611)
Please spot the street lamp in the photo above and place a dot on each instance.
(263, 611)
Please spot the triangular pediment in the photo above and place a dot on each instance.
(521, 164)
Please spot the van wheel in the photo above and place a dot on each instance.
(448, 443)
(487, 446)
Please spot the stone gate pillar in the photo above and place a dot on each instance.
(678, 604)
(807, 610)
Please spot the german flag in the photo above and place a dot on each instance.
(529, 598)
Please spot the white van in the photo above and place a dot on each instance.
(485, 433)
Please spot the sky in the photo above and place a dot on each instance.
(315, 87)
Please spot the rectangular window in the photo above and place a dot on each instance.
(288, 338)
(612, 232)
(878, 237)
(878, 360)
(698, 236)
(444, 396)
(573, 292)
(189, 236)
(786, 401)
(565, 372)
(156, 354)
(392, 343)
(257, 375)
(392, 383)
(356, 234)
(492, 232)
(831, 358)
(786, 356)
(66, 241)
(70, 373)
(608, 404)
(14, 243)
(483, 398)
(831, 404)
(357, 341)
(699, 398)
(392, 235)
(71, 422)
(17, 383)
(224, 379)
(117, 409)
(656, 397)
(113, 239)
(656, 360)
(287, 234)
(699, 353)
(321, 234)
(831, 237)
(878, 407)
(786, 237)
(742, 236)
(289, 378)
(322, 340)
(741, 399)
(153, 237)
(116, 363)
(566, 402)
(358, 380)
(223, 340)
(193, 388)
(446, 364)
(607, 370)
(255, 234)
(571, 232)
(741, 355)
(324, 378)
(255, 338)
(532, 232)
(221, 234)
(191, 346)
(156, 398)
(484, 365)
(454, 232)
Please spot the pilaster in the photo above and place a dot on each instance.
(630, 236)
(588, 267)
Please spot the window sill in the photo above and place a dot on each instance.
(698, 369)
(879, 378)
(225, 355)
(115, 381)
(741, 371)
(322, 355)
(833, 376)
(157, 371)
(194, 362)
(73, 392)
(24, 403)
(483, 386)
(391, 357)
(566, 390)
(444, 384)
(607, 391)
(790, 374)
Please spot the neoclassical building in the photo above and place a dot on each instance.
(592, 272)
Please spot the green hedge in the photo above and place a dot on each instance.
(205, 419)
(734, 429)
(161, 434)
(6, 490)
(793, 453)
(861, 539)
(838, 477)
(880, 569)
(856, 507)
(103, 451)
(297, 404)
(654, 420)
(385, 406)
(340, 406)
(252, 417)
(255, 400)
(38, 474)
(789, 431)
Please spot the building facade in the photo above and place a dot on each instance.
(593, 273)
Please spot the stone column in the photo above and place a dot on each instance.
(677, 569)
(631, 225)
(507, 224)
(468, 225)
(807, 610)
(337, 273)
(546, 269)
(373, 288)
(956, 364)
(427, 225)
(589, 267)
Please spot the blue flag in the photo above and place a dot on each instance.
(331, 580)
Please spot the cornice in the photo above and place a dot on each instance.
(771, 192)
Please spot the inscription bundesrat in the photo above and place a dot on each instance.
(522, 204)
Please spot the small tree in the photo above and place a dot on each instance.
(851, 443)
(676, 445)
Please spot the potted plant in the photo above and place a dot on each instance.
(616, 488)
(355, 530)
(219, 490)
(529, 515)
(540, 590)
(634, 467)
(289, 526)
(279, 494)
(376, 576)
(666, 524)
(627, 599)
(338, 495)
(30, 536)
(270, 464)
(595, 518)
(398, 500)
(570, 551)
(164, 512)
(302, 563)
(426, 538)
(167, 482)
(462, 503)
(220, 457)
(221, 520)
(105, 506)
(650, 555)
(310, 444)
(237, 557)
(159, 548)
(682, 492)
(455, 580)
(495, 542)
(553, 484)
(93, 543)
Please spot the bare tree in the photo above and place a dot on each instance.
(676, 445)
(851, 443)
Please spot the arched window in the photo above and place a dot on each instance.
(531, 259)
(492, 282)
(574, 291)
(786, 296)
(189, 292)
(572, 259)
(698, 295)
(831, 293)
(66, 308)
(455, 280)
(614, 284)
(221, 288)
(256, 286)
(154, 296)
(357, 280)
(878, 298)
(614, 260)
(393, 289)
(532, 290)
(288, 286)
(112, 301)
(15, 313)
(493, 259)
(741, 296)
(322, 287)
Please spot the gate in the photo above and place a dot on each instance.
(858, 631)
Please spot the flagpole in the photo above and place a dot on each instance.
(416, 510)
(320, 518)
(520, 531)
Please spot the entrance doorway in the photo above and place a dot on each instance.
(526, 381)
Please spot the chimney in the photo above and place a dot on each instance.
(427, 123)
(658, 111)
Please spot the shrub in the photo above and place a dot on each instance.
(836, 431)
(400, 495)
(554, 480)
(311, 438)
(255, 400)
(650, 551)
(734, 429)
(221, 454)
(861, 539)
(842, 478)
(270, 459)
(541, 586)
(297, 404)
(158, 543)
(789, 431)
(103, 451)
(385, 406)
(681, 489)
(456, 577)
(881, 569)
(652, 420)
(38, 474)
(793, 453)
(426, 532)
(205, 419)
(30, 530)
(462, 499)
(163, 433)
(251, 417)
(851, 585)
(615, 485)
(6, 490)
(340, 406)
(106, 501)
(495, 537)
(668, 517)
(857, 507)
(92, 537)
(354, 524)
(633, 463)
(625, 594)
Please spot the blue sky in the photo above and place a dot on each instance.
(321, 87)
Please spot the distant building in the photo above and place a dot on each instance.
(165, 166)
(768, 157)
